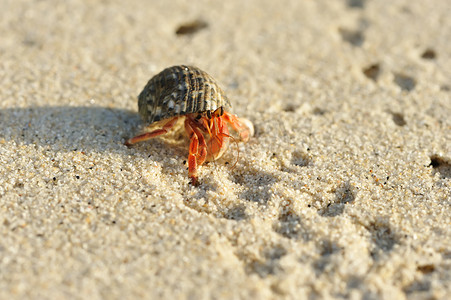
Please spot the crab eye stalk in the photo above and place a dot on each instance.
(219, 112)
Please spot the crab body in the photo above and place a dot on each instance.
(190, 93)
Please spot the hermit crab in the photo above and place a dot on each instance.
(190, 93)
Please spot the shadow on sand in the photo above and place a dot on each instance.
(64, 128)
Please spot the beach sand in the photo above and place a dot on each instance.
(343, 192)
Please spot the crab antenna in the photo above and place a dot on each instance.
(237, 148)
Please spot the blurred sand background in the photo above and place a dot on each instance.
(343, 192)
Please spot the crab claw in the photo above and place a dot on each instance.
(248, 130)
(243, 126)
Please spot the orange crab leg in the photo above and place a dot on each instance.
(218, 138)
(149, 135)
(197, 149)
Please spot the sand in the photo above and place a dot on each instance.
(343, 192)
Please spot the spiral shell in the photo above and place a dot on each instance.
(178, 91)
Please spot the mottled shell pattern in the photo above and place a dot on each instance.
(178, 91)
